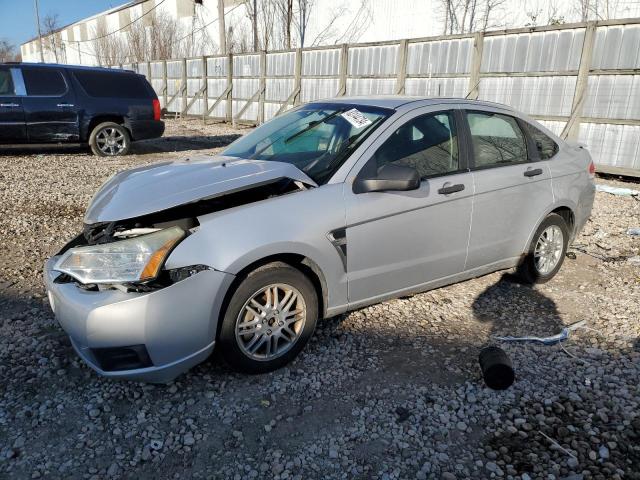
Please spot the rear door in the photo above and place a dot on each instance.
(50, 107)
(512, 188)
(12, 126)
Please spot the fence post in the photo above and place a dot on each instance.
(183, 108)
(401, 67)
(344, 66)
(297, 83)
(165, 82)
(149, 77)
(205, 92)
(263, 86)
(572, 128)
(229, 102)
(476, 64)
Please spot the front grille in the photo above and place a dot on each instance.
(122, 358)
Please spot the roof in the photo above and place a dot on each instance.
(65, 65)
(396, 101)
(110, 11)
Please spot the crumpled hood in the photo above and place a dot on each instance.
(157, 187)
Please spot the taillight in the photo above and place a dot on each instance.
(592, 168)
(156, 109)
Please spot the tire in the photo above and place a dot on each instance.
(534, 269)
(270, 330)
(102, 136)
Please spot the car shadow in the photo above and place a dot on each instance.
(179, 143)
(166, 144)
(537, 314)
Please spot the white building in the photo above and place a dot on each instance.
(191, 27)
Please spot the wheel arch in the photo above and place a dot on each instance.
(98, 119)
(304, 264)
(566, 210)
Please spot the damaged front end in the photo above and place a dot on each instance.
(228, 184)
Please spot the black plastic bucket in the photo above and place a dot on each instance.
(497, 369)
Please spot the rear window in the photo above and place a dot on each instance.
(112, 84)
(6, 84)
(44, 81)
(547, 148)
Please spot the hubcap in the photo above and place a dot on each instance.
(548, 249)
(110, 141)
(271, 321)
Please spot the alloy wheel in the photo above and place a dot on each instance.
(271, 322)
(548, 250)
(110, 141)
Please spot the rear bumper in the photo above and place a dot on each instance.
(177, 325)
(583, 210)
(144, 129)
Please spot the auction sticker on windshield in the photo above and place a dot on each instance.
(356, 118)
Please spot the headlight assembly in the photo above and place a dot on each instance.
(133, 260)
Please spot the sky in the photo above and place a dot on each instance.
(18, 24)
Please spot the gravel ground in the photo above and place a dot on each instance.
(388, 391)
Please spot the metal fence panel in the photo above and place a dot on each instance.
(280, 64)
(320, 62)
(617, 46)
(533, 52)
(378, 60)
(444, 56)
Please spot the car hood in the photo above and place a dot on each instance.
(141, 191)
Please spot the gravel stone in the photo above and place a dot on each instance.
(392, 390)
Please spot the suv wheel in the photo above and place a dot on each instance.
(269, 319)
(547, 250)
(110, 139)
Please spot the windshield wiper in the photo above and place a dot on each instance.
(313, 125)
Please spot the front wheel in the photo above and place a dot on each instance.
(110, 139)
(547, 250)
(269, 319)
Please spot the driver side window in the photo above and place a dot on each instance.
(428, 143)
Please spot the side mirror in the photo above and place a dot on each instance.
(389, 178)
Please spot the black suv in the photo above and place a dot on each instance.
(108, 109)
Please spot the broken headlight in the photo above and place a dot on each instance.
(133, 260)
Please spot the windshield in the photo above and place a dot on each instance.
(317, 138)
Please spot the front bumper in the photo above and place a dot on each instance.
(177, 325)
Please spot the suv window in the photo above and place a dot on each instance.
(111, 84)
(6, 84)
(44, 81)
(546, 147)
(427, 143)
(497, 139)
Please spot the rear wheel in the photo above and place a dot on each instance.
(110, 139)
(269, 319)
(547, 250)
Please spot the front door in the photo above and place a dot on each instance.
(12, 126)
(50, 110)
(512, 189)
(398, 241)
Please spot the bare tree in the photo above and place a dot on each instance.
(108, 46)
(465, 16)
(304, 14)
(51, 38)
(360, 21)
(284, 9)
(8, 51)
(252, 13)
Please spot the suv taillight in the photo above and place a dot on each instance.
(592, 169)
(156, 109)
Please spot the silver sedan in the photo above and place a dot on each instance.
(333, 206)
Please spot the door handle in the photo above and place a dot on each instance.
(63, 105)
(533, 172)
(447, 188)
(9, 105)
